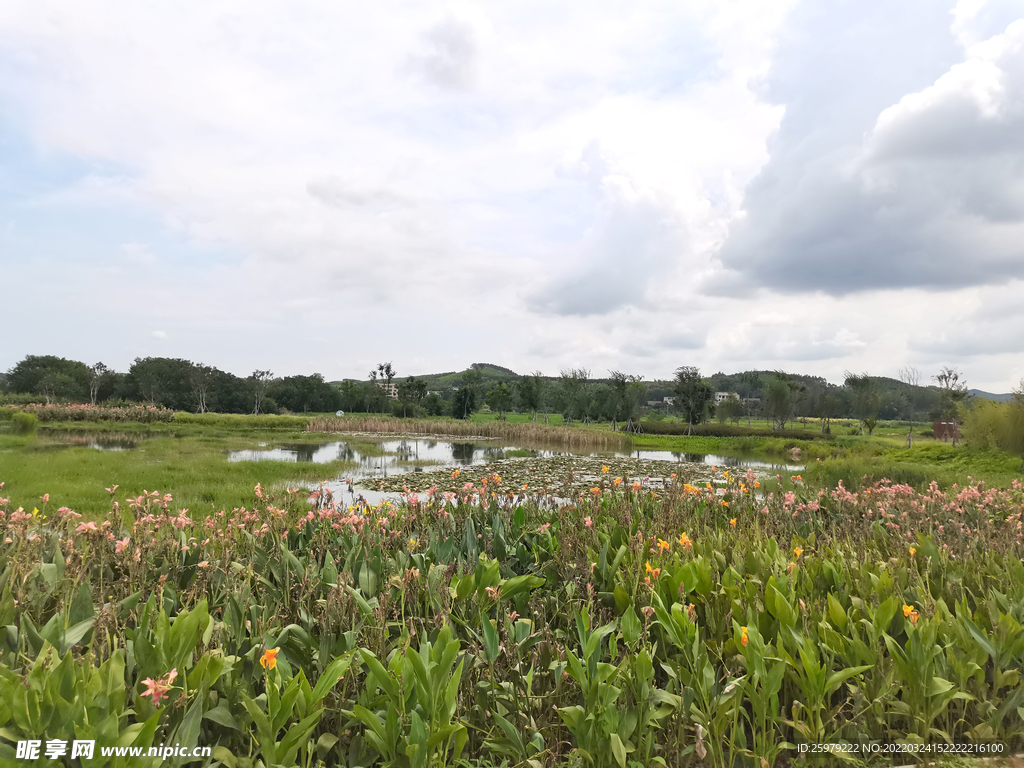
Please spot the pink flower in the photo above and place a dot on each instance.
(157, 689)
(87, 527)
(121, 545)
(588, 522)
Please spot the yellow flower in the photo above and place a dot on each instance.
(663, 545)
(798, 551)
(35, 511)
(732, 522)
(684, 541)
(907, 610)
(269, 658)
(913, 551)
(618, 481)
(604, 468)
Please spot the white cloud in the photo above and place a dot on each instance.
(541, 187)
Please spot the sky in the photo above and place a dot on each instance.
(324, 186)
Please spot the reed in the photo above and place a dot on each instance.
(566, 437)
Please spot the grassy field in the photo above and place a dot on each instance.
(187, 457)
(189, 461)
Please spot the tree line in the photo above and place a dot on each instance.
(576, 394)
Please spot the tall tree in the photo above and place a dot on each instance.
(693, 394)
(50, 376)
(620, 383)
(752, 381)
(530, 391)
(161, 381)
(865, 399)
(260, 381)
(466, 396)
(201, 378)
(782, 395)
(910, 376)
(386, 372)
(952, 392)
(499, 399)
(99, 373)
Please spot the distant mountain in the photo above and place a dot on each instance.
(989, 395)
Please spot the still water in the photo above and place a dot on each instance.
(416, 455)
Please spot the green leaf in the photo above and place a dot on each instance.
(491, 642)
(331, 676)
(618, 750)
(840, 677)
(221, 715)
(631, 626)
(939, 686)
(381, 675)
(517, 584)
(76, 633)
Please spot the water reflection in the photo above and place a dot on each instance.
(100, 441)
(412, 455)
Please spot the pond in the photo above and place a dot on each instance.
(386, 468)
(416, 455)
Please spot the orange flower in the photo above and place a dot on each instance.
(684, 541)
(913, 551)
(725, 504)
(595, 490)
(907, 610)
(618, 481)
(798, 551)
(732, 522)
(663, 545)
(269, 658)
(604, 468)
(743, 637)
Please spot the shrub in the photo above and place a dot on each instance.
(728, 430)
(24, 423)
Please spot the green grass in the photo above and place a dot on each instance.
(849, 458)
(193, 468)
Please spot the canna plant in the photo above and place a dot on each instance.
(409, 707)
(294, 708)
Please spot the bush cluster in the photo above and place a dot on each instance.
(709, 625)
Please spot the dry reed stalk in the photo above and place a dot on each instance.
(568, 437)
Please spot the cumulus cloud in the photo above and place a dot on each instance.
(636, 238)
(561, 189)
(928, 195)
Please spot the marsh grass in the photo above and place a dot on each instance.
(194, 469)
(579, 438)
